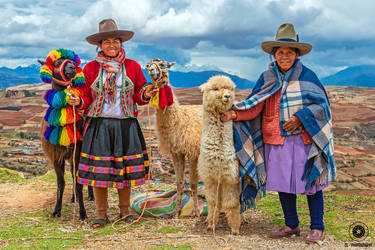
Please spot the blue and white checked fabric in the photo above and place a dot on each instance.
(303, 96)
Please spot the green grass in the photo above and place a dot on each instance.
(340, 211)
(46, 231)
(10, 176)
(168, 230)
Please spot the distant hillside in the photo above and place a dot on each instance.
(20, 75)
(361, 76)
(194, 79)
(29, 75)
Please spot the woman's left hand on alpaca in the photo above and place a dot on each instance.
(228, 115)
(292, 124)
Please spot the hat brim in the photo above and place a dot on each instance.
(95, 39)
(304, 48)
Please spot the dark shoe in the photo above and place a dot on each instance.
(99, 223)
(128, 218)
(314, 236)
(285, 232)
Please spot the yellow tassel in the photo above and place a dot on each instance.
(64, 138)
(63, 117)
(155, 101)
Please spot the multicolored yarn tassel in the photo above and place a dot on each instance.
(162, 98)
(46, 71)
(60, 117)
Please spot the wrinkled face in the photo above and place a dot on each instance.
(285, 58)
(218, 93)
(111, 46)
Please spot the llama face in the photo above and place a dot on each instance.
(218, 93)
(64, 69)
(158, 71)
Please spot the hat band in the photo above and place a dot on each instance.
(286, 40)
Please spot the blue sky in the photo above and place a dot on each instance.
(197, 34)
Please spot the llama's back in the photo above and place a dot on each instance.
(179, 129)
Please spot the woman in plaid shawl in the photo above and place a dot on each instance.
(113, 150)
(283, 135)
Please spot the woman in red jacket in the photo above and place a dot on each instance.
(113, 151)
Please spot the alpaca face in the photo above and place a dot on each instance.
(218, 93)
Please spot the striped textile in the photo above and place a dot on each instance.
(161, 203)
(303, 96)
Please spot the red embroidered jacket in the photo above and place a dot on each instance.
(93, 93)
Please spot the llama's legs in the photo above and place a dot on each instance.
(90, 193)
(59, 169)
(194, 185)
(231, 206)
(79, 187)
(179, 168)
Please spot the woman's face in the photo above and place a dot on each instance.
(111, 47)
(285, 58)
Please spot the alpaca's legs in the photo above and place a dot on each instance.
(194, 185)
(231, 206)
(59, 169)
(179, 168)
(214, 206)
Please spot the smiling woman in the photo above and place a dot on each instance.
(113, 150)
(286, 107)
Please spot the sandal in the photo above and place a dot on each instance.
(129, 218)
(99, 223)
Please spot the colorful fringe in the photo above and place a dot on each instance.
(60, 117)
(46, 71)
(162, 98)
(161, 203)
(63, 136)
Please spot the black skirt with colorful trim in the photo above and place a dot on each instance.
(113, 154)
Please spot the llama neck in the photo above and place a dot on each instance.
(170, 113)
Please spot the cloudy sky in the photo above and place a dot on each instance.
(197, 34)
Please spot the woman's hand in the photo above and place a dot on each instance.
(292, 124)
(74, 100)
(150, 92)
(228, 115)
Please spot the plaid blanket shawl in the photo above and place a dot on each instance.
(303, 96)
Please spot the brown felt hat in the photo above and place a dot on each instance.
(286, 36)
(108, 29)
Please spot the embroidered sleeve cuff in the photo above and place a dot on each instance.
(143, 98)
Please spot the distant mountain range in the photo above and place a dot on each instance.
(363, 76)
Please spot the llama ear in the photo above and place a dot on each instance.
(41, 62)
(170, 64)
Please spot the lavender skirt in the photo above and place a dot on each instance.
(285, 165)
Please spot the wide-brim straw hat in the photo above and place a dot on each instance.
(107, 29)
(286, 36)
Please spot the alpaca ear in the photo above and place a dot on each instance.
(203, 87)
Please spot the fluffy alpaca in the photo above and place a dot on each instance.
(61, 69)
(179, 129)
(218, 166)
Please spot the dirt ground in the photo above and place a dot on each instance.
(254, 229)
